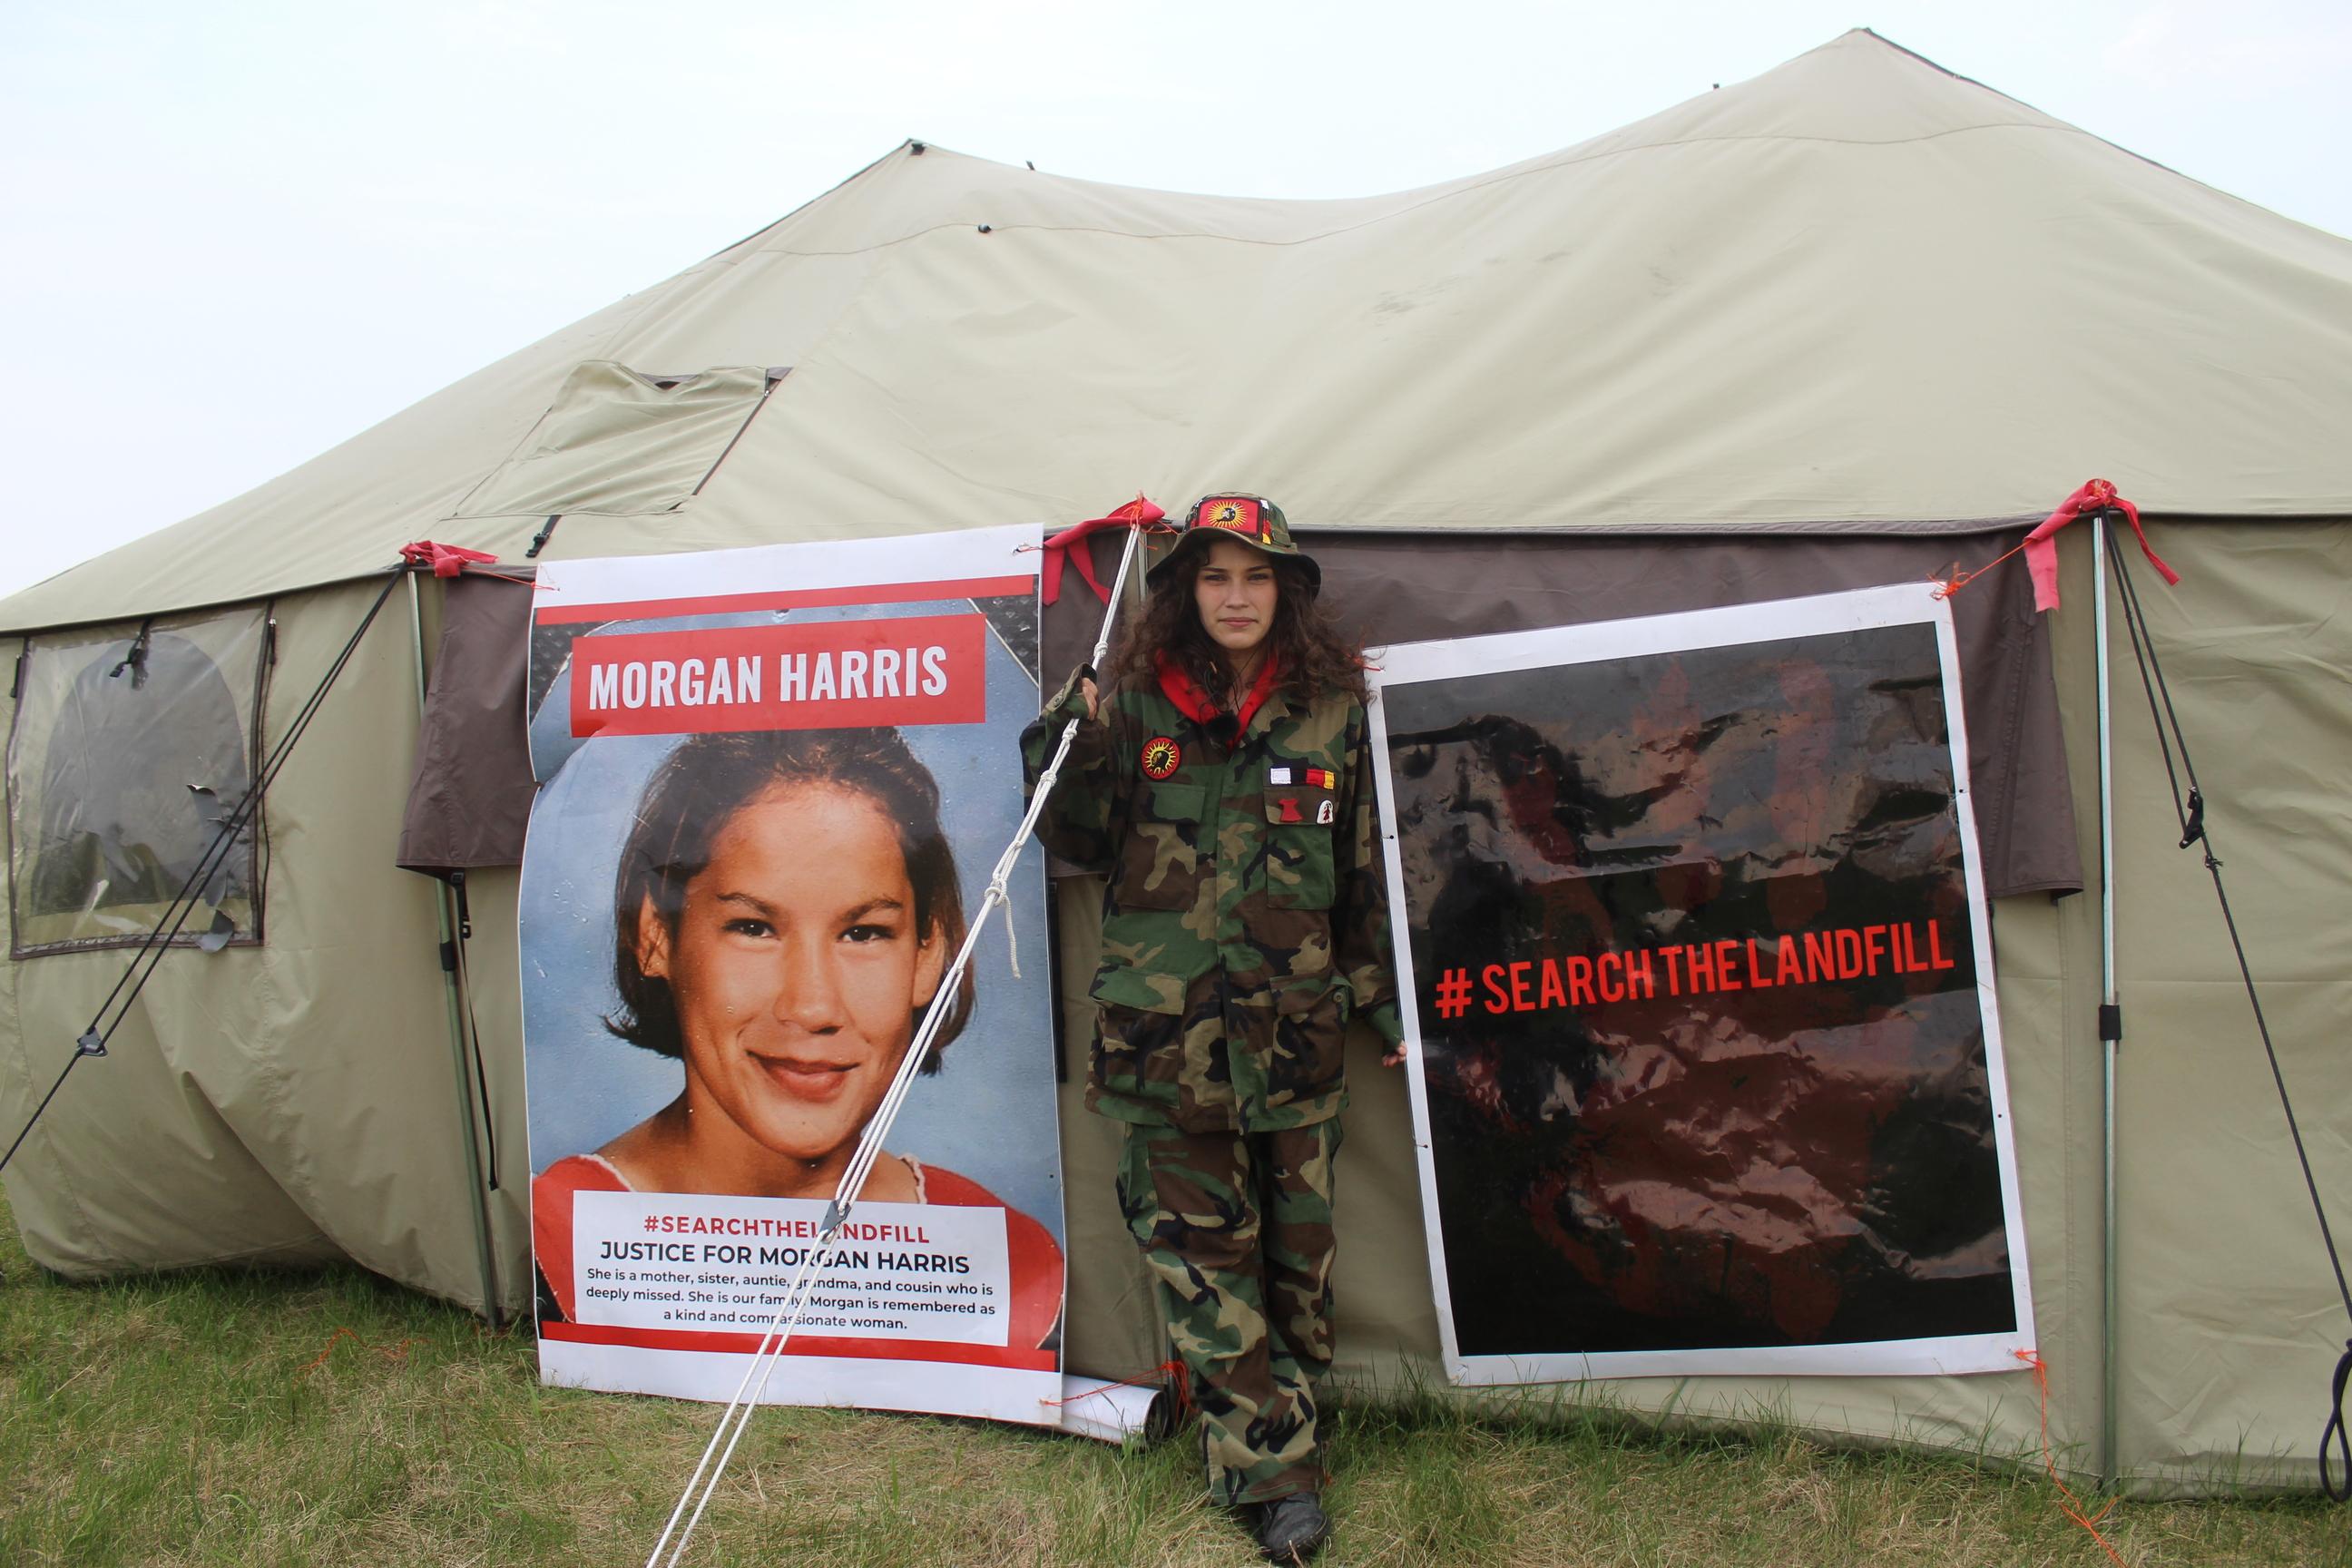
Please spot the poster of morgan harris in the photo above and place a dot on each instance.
(771, 796)
(1706, 1069)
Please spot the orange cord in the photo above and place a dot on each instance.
(2072, 1506)
(390, 1352)
(320, 1360)
(1166, 1371)
(1960, 580)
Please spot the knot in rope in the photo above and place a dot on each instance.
(2332, 1437)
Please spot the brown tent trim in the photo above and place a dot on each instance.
(1874, 528)
(469, 800)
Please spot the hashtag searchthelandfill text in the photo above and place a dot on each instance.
(1693, 969)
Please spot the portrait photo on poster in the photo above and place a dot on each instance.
(732, 917)
(1706, 1072)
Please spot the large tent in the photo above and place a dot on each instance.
(1850, 322)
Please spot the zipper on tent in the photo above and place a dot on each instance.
(546, 532)
(135, 661)
(264, 671)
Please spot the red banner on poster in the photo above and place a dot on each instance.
(918, 669)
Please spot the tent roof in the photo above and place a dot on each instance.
(1857, 294)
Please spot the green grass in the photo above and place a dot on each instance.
(226, 1417)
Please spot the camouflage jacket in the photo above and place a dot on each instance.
(1245, 918)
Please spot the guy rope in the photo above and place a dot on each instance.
(1135, 518)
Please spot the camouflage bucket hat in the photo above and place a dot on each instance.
(1253, 520)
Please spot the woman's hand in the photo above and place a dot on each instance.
(1395, 1059)
(1086, 685)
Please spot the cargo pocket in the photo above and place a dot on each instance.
(1299, 832)
(1121, 986)
(1162, 858)
(1136, 1055)
(1310, 1024)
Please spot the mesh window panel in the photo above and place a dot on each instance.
(133, 744)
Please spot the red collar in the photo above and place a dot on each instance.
(1199, 706)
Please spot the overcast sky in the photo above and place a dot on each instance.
(234, 235)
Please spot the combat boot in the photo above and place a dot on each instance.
(1291, 1529)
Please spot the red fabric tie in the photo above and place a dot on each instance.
(1137, 513)
(2042, 548)
(446, 559)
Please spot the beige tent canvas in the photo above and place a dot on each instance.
(1855, 320)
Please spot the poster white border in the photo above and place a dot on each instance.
(864, 560)
(1860, 609)
(1021, 1395)
(702, 583)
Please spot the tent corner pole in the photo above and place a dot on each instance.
(2110, 1032)
(477, 1210)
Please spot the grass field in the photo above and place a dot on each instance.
(232, 1417)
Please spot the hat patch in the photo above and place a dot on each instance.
(1236, 514)
(1161, 757)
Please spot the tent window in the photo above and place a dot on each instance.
(132, 744)
(620, 442)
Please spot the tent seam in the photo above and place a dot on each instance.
(1487, 182)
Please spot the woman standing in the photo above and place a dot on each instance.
(1224, 787)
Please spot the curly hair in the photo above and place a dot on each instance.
(697, 790)
(1315, 656)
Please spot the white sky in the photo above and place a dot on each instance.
(233, 234)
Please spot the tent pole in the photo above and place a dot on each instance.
(2110, 1022)
(479, 1209)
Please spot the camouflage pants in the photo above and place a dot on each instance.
(1236, 1227)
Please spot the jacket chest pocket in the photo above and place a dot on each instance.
(1161, 869)
(1301, 825)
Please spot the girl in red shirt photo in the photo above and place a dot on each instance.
(785, 909)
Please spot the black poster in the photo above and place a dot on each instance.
(1707, 1072)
